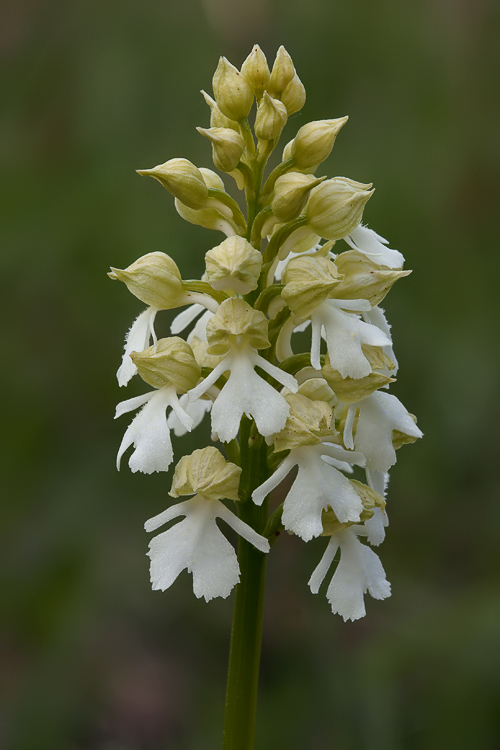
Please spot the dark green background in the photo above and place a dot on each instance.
(91, 658)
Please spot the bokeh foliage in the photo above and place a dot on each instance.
(91, 658)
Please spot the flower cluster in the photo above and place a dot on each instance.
(301, 259)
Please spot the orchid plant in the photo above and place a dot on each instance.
(300, 258)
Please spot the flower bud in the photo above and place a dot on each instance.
(233, 93)
(309, 421)
(294, 96)
(282, 73)
(235, 318)
(212, 179)
(227, 147)
(209, 218)
(364, 279)
(336, 206)
(206, 472)
(317, 389)
(181, 178)
(290, 194)
(256, 70)
(233, 266)
(270, 119)
(314, 142)
(217, 119)
(351, 390)
(309, 281)
(168, 362)
(154, 279)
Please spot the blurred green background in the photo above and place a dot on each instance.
(91, 659)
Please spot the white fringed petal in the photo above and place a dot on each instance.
(358, 571)
(372, 245)
(198, 545)
(136, 340)
(379, 414)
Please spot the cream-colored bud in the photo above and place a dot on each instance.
(233, 266)
(201, 354)
(209, 218)
(206, 472)
(233, 93)
(212, 179)
(370, 500)
(308, 422)
(217, 119)
(291, 191)
(181, 178)
(351, 390)
(168, 362)
(309, 280)
(154, 279)
(233, 322)
(282, 73)
(256, 70)
(335, 207)
(270, 119)
(294, 96)
(314, 141)
(364, 279)
(227, 147)
(317, 389)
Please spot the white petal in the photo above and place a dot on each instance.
(136, 340)
(214, 565)
(374, 247)
(260, 494)
(184, 318)
(131, 404)
(196, 411)
(336, 451)
(198, 391)
(180, 509)
(316, 326)
(200, 329)
(375, 527)
(243, 529)
(149, 434)
(323, 566)
(376, 317)
(281, 376)
(184, 418)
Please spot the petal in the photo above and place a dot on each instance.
(323, 566)
(136, 340)
(198, 391)
(374, 247)
(149, 434)
(196, 411)
(281, 376)
(131, 404)
(260, 494)
(214, 565)
(243, 529)
(375, 527)
(184, 318)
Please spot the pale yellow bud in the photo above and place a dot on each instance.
(256, 70)
(235, 322)
(282, 73)
(370, 500)
(317, 389)
(154, 279)
(351, 390)
(364, 279)
(209, 218)
(270, 119)
(168, 362)
(181, 178)
(217, 119)
(233, 266)
(309, 280)
(294, 96)
(314, 142)
(287, 151)
(206, 472)
(233, 93)
(335, 207)
(227, 147)
(212, 179)
(309, 421)
(291, 191)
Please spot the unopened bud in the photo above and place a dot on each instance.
(168, 362)
(290, 194)
(206, 472)
(233, 93)
(270, 119)
(314, 142)
(364, 279)
(317, 389)
(294, 96)
(154, 279)
(309, 281)
(181, 178)
(233, 266)
(212, 179)
(352, 390)
(217, 119)
(282, 73)
(233, 321)
(336, 207)
(227, 147)
(309, 421)
(256, 70)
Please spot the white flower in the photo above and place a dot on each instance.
(372, 245)
(246, 393)
(380, 414)
(318, 484)
(345, 335)
(149, 431)
(358, 571)
(198, 545)
(136, 340)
